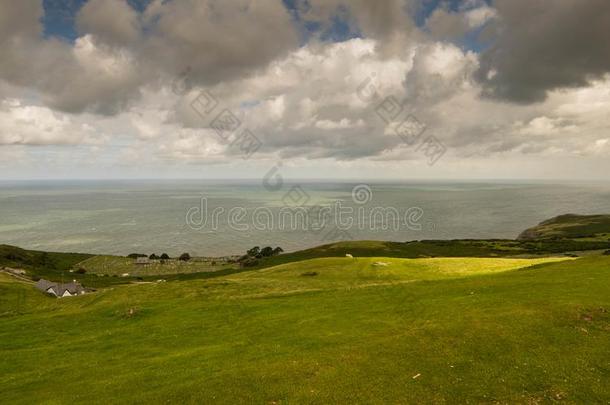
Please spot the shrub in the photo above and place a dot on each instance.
(249, 262)
(185, 257)
(164, 256)
(135, 255)
(153, 257)
(81, 270)
(310, 274)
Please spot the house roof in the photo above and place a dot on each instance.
(60, 288)
(73, 288)
(44, 285)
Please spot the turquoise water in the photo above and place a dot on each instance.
(122, 217)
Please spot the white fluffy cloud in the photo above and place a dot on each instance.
(36, 125)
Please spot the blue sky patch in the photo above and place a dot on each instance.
(338, 29)
(58, 20)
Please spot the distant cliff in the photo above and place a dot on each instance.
(570, 226)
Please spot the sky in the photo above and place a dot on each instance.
(323, 89)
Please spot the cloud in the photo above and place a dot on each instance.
(438, 71)
(36, 125)
(543, 45)
(106, 66)
(19, 19)
(111, 87)
(112, 21)
(388, 22)
(216, 40)
(85, 76)
(307, 103)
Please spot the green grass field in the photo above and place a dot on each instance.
(452, 330)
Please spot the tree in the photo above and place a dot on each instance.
(135, 255)
(255, 251)
(185, 257)
(277, 251)
(266, 251)
(164, 256)
(153, 257)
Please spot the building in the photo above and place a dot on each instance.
(60, 289)
(142, 260)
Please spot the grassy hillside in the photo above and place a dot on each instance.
(436, 330)
(439, 248)
(104, 271)
(11, 256)
(570, 226)
(50, 265)
(57, 267)
(117, 265)
(344, 272)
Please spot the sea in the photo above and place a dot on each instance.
(221, 217)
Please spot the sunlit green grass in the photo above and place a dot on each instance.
(430, 331)
(326, 273)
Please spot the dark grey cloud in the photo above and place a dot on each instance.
(542, 45)
(216, 40)
(112, 21)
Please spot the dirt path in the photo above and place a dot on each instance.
(17, 276)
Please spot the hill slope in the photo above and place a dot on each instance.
(528, 335)
(439, 248)
(570, 226)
